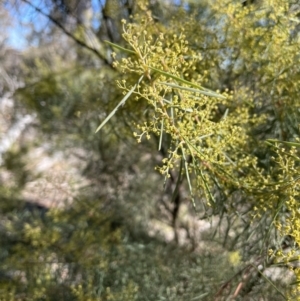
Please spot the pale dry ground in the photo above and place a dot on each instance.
(59, 182)
(55, 175)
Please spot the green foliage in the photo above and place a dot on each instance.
(214, 87)
(79, 254)
(14, 161)
(52, 83)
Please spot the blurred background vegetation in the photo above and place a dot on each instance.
(86, 216)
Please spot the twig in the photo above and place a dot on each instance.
(69, 34)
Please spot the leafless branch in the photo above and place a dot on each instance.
(69, 34)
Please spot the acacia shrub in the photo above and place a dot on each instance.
(216, 140)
